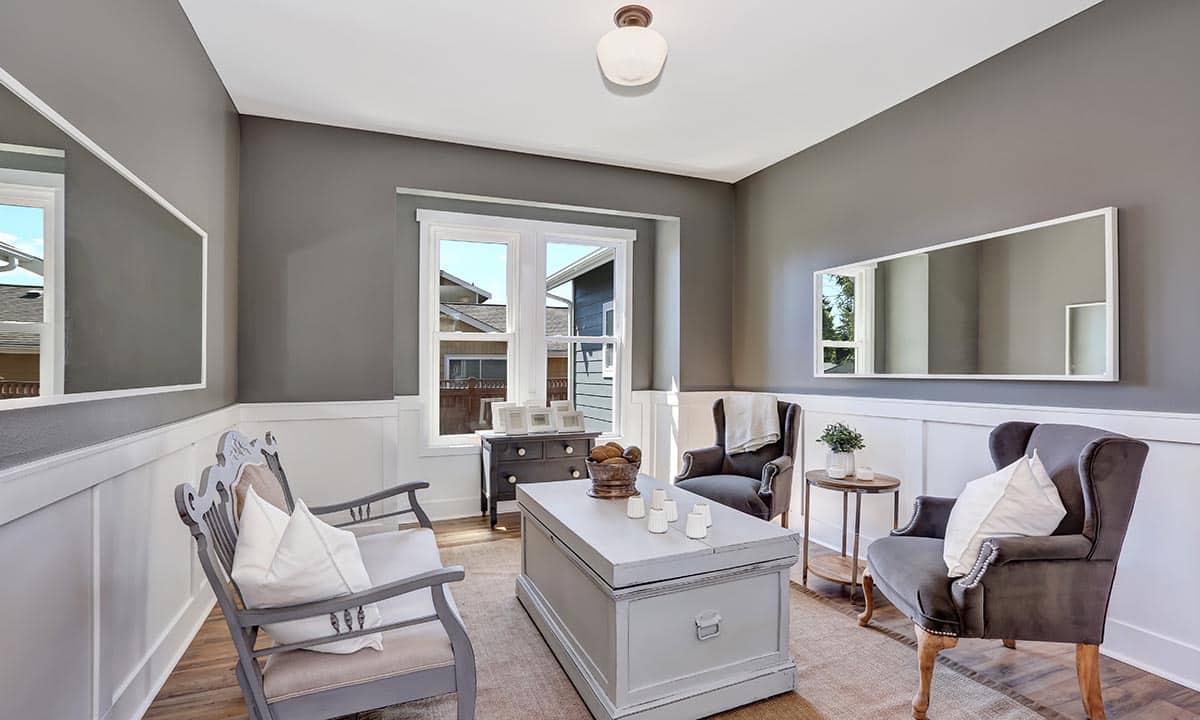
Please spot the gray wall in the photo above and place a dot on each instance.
(1100, 110)
(408, 254)
(132, 75)
(319, 284)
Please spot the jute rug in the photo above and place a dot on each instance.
(844, 672)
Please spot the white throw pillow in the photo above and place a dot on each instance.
(1018, 500)
(281, 560)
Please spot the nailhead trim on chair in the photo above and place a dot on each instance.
(935, 632)
(987, 554)
(912, 522)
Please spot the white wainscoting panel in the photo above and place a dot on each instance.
(106, 597)
(936, 448)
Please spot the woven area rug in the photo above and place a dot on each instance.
(844, 672)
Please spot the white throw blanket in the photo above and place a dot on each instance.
(751, 422)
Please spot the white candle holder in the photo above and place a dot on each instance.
(696, 527)
(658, 521)
(705, 512)
(635, 507)
(658, 498)
(672, 509)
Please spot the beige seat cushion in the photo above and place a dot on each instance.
(265, 484)
(388, 557)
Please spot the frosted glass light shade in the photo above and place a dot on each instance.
(632, 55)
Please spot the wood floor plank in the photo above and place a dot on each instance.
(203, 685)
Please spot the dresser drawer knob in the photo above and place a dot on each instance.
(569, 449)
(521, 452)
(575, 473)
(512, 479)
(708, 625)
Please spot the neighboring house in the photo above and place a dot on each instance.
(20, 351)
(475, 373)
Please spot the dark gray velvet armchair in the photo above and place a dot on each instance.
(758, 483)
(1052, 589)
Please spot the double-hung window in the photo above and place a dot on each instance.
(845, 302)
(31, 308)
(521, 311)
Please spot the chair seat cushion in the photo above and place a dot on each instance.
(911, 573)
(736, 491)
(388, 556)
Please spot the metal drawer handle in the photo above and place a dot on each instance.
(568, 449)
(521, 452)
(708, 625)
(512, 479)
(575, 472)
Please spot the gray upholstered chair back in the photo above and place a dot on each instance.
(751, 464)
(1096, 472)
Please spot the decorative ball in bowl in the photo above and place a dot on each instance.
(613, 470)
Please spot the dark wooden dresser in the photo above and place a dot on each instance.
(510, 460)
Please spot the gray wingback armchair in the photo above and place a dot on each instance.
(1052, 588)
(758, 483)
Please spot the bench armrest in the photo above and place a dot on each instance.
(432, 578)
(360, 508)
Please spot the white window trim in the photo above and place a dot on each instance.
(526, 241)
(607, 370)
(45, 191)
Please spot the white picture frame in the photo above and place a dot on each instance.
(564, 405)
(499, 417)
(569, 421)
(516, 420)
(539, 420)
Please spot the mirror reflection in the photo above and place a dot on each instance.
(101, 285)
(1032, 302)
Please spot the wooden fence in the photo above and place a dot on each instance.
(462, 403)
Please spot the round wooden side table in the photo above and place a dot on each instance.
(843, 569)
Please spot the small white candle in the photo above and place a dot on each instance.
(672, 509)
(696, 527)
(705, 512)
(635, 507)
(658, 521)
(657, 499)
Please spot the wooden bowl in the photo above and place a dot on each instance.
(613, 481)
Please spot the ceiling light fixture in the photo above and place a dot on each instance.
(633, 54)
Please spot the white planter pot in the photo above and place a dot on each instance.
(839, 465)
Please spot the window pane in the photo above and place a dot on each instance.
(473, 376)
(839, 360)
(473, 286)
(575, 372)
(21, 289)
(837, 307)
(579, 283)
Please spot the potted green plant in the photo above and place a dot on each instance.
(842, 440)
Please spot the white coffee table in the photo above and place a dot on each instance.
(656, 627)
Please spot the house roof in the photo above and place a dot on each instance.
(491, 318)
(16, 307)
(469, 286)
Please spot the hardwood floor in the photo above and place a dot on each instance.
(203, 686)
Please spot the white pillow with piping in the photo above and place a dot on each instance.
(281, 560)
(1017, 500)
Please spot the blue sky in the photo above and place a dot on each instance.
(483, 264)
(22, 228)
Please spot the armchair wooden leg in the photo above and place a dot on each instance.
(928, 647)
(783, 520)
(1087, 667)
(1010, 644)
(868, 583)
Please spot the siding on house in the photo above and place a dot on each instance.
(593, 391)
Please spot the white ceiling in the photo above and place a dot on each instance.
(747, 82)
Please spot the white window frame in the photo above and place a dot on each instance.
(864, 321)
(526, 316)
(446, 361)
(45, 191)
(608, 370)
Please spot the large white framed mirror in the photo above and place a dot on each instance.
(1036, 302)
(102, 281)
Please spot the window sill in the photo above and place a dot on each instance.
(450, 450)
